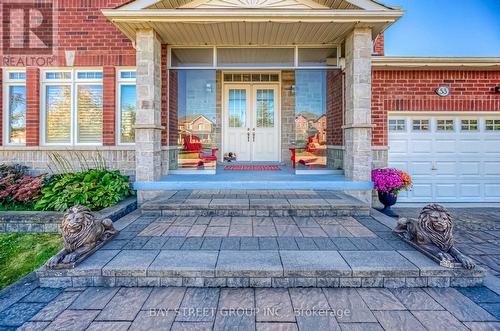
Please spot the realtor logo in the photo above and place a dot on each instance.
(27, 28)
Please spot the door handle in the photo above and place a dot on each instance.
(434, 167)
(248, 134)
(253, 134)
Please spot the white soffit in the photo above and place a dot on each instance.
(277, 4)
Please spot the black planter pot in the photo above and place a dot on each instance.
(388, 199)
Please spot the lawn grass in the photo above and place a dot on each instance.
(21, 253)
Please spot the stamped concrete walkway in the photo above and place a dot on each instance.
(139, 308)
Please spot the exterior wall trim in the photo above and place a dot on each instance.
(433, 63)
(441, 113)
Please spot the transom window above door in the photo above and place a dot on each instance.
(253, 57)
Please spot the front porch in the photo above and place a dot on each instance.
(262, 81)
(245, 180)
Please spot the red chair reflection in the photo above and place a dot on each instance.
(192, 144)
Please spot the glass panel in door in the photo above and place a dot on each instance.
(264, 132)
(237, 135)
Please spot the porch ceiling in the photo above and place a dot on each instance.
(250, 27)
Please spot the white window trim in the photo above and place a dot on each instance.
(74, 82)
(119, 82)
(295, 64)
(6, 84)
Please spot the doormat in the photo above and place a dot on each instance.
(251, 167)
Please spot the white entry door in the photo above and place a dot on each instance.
(450, 158)
(251, 122)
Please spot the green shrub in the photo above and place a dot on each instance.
(95, 188)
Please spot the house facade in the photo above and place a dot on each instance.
(137, 83)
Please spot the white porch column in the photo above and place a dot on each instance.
(148, 117)
(358, 122)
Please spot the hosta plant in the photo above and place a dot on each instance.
(95, 188)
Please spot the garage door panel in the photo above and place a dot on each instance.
(469, 146)
(466, 163)
(472, 190)
(399, 146)
(422, 190)
(492, 190)
(443, 146)
(491, 146)
(492, 168)
(400, 165)
(446, 190)
(445, 168)
(420, 168)
(470, 168)
(421, 146)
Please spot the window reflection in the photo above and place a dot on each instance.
(196, 106)
(17, 114)
(310, 119)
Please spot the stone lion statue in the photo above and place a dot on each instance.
(81, 233)
(433, 232)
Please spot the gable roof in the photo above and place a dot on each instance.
(269, 4)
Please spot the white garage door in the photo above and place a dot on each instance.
(450, 158)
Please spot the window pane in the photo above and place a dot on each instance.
(420, 125)
(196, 108)
(469, 125)
(192, 57)
(251, 57)
(492, 125)
(89, 75)
(127, 74)
(89, 110)
(58, 114)
(310, 118)
(58, 75)
(237, 108)
(397, 125)
(127, 113)
(317, 57)
(265, 108)
(17, 75)
(17, 114)
(445, 125)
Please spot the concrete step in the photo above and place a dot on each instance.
(263, 203)
(260, 268)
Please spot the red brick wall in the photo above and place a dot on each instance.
(109, 106)
(378, 45)
(414, 90)
(82, 28)
(32, 106)
(97, 42)
(334, 111)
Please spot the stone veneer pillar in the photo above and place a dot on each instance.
(358, 125)
(148, 126)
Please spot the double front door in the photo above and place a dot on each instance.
(251, 128)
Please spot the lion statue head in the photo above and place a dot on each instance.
(77, 227)
(437, 225)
